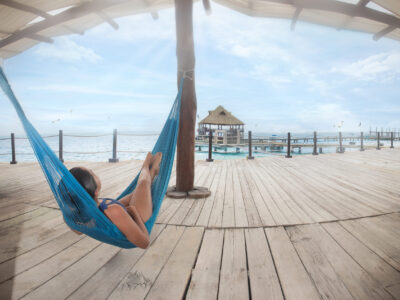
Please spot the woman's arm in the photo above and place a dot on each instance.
(133, 232)
(133, 212)
(125, 200)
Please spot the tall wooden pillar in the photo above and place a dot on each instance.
(186, 64)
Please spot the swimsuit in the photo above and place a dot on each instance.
(103, 205)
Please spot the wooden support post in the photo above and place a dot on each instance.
(13, 161)
(186, 63)
(362, 141)
(391, 140)
(114, 159)
(315, 152)
(60, 145)
(210, 137)
(250, 156)
(288, 146)
(340, 143)
(378, 141)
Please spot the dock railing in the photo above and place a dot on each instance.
(281, 145)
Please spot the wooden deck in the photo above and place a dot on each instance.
(309, 227)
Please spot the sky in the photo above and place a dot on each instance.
(271, 78)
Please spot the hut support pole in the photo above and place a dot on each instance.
(186, 64)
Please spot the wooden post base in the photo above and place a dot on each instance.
(196, 193)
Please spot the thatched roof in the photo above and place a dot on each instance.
(25, 23)
(220, 116)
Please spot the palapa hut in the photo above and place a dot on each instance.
(226, 128)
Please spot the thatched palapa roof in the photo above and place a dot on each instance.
(220, 116)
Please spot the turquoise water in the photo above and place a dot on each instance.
(136, 145)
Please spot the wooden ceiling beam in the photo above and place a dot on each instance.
(343, 8)
(24, 7)
(40, 38)
(207, 7)
(360, 4)
(383, 32)
(153, 14)
(67, 15)
(106, 18)
(295, 18)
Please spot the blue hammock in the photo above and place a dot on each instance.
(80, 211)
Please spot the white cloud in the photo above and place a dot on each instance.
(384, 66)
(328, 116)
(67, 50)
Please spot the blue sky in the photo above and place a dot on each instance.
(272, 78)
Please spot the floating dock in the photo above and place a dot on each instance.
(310, 227)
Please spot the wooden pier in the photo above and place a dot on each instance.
(310, 227)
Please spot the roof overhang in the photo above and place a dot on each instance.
(23, 24)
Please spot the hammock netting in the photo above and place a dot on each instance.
(79, 209)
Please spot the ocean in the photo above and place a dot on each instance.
(98, 147)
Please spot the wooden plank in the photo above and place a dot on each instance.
(253, 217)
(295, 281)
(295, 200)
(265, 215)
(194, 212)
(113, 271)
(15, 210)
(27, 281)
(218, 207)
(27, 220)
(166, 215)
(374, 242)
(228, 215)
(185, 207)
(30, 239)
(137, 283)
(205, 275)
(279, 208)
(394, 290)
(366, 258)
(23, 218)
(75, 274)
(328, 283)
(205, 213)
(302, 193)
(233, 282)
(15, 266)
(238, 200)
(174, 277)
(358, 282)
(264, 282)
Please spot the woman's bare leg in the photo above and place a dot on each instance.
(141, 196)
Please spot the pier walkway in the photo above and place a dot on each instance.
(309, 227)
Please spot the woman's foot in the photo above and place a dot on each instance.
(148, 160)
(155, 165)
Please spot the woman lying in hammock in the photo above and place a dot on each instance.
(131, 212)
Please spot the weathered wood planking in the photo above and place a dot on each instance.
(339, 258)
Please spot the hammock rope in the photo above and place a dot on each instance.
(77, 206)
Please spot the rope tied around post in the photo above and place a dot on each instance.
(186, 72)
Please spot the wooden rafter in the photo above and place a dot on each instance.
(67, 15)
(350, 10)
(34, 11)
(24, 7)
(153, 14)
(106, 18)
(383, 32)
(295, 18)
(360, 4)
(207, 7)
